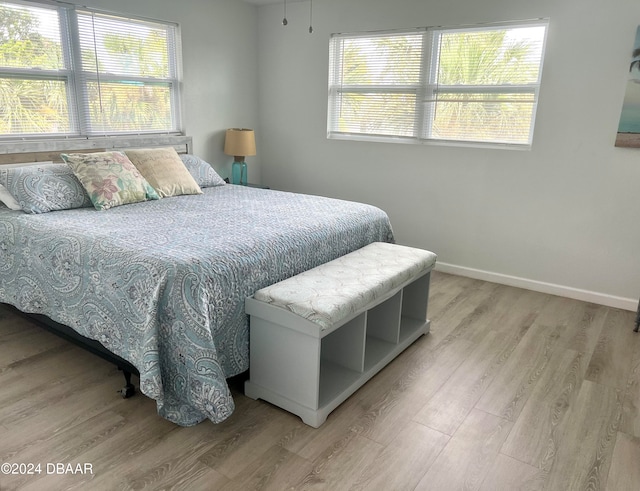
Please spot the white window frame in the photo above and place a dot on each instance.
(427, 90)
(75, 78)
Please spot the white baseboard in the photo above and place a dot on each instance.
(540, 286)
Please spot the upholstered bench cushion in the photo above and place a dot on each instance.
(333, 291)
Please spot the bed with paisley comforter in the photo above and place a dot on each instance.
(162, 283)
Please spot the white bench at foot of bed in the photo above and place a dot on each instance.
(317, 337)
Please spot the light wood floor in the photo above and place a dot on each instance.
(511, 390)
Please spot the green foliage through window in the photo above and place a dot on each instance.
(124, 81)
(475, 84)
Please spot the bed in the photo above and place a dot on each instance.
(161, 284)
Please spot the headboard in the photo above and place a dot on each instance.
(50, 150)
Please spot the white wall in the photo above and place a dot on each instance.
(219, 58)
(563, 217)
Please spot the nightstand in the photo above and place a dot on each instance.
(249, 185)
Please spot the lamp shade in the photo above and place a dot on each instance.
(240, 141)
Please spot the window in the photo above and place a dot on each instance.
(468, 84)
(67, 71)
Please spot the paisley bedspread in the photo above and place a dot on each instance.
(162, 283)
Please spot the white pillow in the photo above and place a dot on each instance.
(8, 200)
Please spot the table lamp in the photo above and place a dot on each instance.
(239, 142)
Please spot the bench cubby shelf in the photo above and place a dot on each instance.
(309, 371)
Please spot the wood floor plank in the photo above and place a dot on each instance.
(611, 361)
(238, 451)
(69, 373)
(589, 435)
(19, 345)
(27, 428)
(449, 288)
(536, 432)
(520, 354)
(624, 473)
(517, 308)
(309, 443)
(277, 469)
(511, 387)
(452, 292)
(390, 408)
(630, 422)
(580, 323)
(120, 449)
(581, 326)
(341, 465)
(471, 452)
(465, 310)
(171, 463)
(406, 460)
(509, 474)
(67, 445)
(446, 410)
(14, 322)
(205, 481)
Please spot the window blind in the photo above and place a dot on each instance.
(128, 70)
(74, 71)
(474, 84)
(34, 71)
(376, 82)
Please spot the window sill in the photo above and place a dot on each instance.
(95, 143)
(416, 141)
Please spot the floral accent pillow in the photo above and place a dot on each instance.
(109, 178)
(44, 188)
(201, 171)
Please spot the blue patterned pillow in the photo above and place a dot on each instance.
(201, 171)
(44, 188)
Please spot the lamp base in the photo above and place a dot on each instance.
(239, 173)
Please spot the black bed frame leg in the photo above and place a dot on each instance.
(128, 390)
